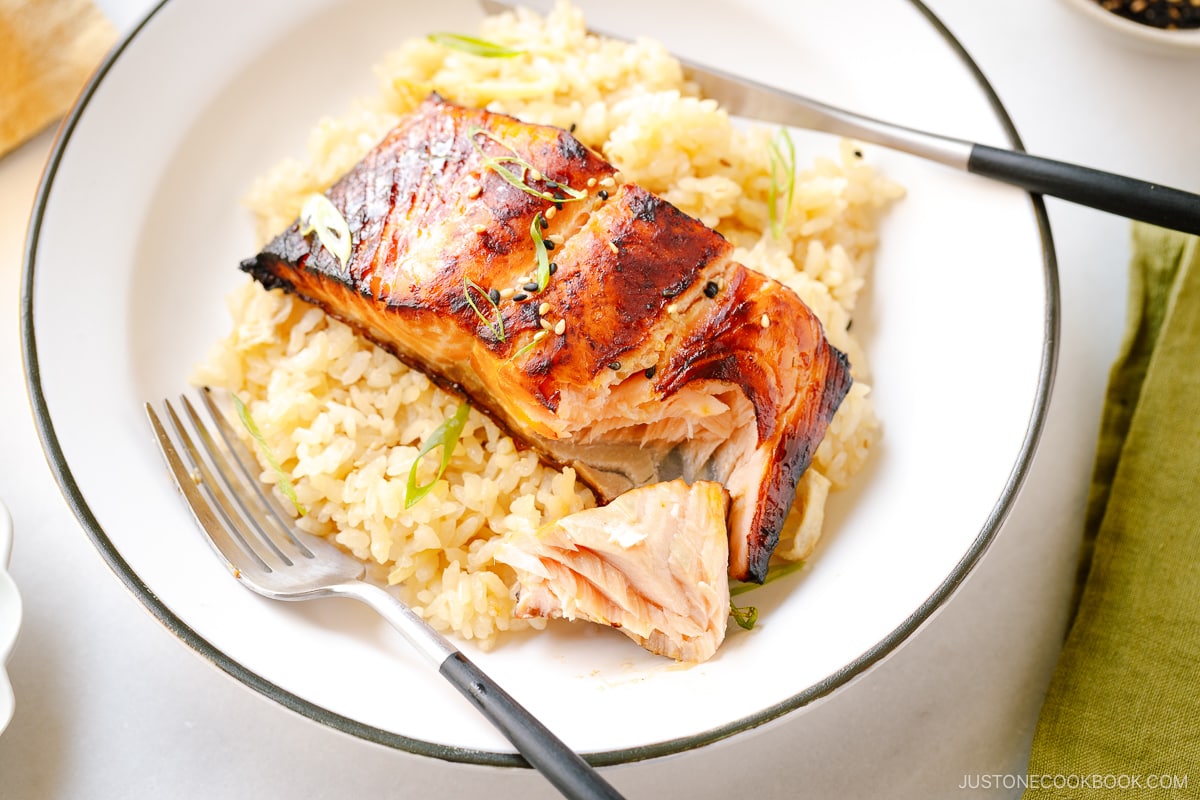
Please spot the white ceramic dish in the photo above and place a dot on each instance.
(135, 240)
(10, 617)
(1145, 37)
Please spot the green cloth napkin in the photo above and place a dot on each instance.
(1122, 715)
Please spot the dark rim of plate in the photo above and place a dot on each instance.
(78, 503)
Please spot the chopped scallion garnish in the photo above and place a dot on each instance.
(520, 178)
(746, 616)
(445, 436)
(320, 215)
(473, 46)
(783, 177)
(496, 325)
(539, 248)
(285, 483)
(537, 337)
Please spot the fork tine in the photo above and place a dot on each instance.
(240, 495)
(328, 576)
(226, 542)
(213, 489)
(259, 503)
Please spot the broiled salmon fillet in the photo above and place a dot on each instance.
(647, 355)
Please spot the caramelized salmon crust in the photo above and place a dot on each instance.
(647, 355)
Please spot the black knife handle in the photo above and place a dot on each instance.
(1117, 194)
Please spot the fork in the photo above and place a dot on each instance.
(1117, 194)
(265, 553)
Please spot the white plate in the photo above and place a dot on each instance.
(138, 231)
(10, 616)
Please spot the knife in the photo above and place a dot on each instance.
(1117, 194)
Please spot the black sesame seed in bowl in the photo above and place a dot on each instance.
(1160, 26)
(1166, 14)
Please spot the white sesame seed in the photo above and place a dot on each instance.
(550, 212)
(534, 175)
(543, 309)
(560, 327)
(557, 238)
(618, 177)
(612, 246)
(537, 337)
(474, 192)
(546, 325)
(507, 293)
(765, 321)
(591, 182)
(608, 182)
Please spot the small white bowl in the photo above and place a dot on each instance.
(10, 616)
(1145, 37)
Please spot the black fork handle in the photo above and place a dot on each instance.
(562, 766)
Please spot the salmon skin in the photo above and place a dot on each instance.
(648, 355)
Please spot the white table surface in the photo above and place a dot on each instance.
(110, 704)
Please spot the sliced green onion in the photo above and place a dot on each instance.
(473, 46)
(445, 436)
(539, 248)
(772, 575)
(746, 616)
(496, 325)
(519, 179)
(537, 337)
(285, 484)
(783, 167)
(320, 215)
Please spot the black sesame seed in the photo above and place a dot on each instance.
(520, 297)
(531, 286)
(1169, 14)
(558, 206)
(711, 289)
(494, 295)
(603, 194)
(858, 153)
(549, 244)
(614, 366)
(553, 267)
(650, 371)
(572, 128)
(552, 184)
(543, 223)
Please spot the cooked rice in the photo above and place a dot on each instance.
(346, 419)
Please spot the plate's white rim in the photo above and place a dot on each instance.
(77, 503)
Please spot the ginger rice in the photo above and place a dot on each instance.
(346, 419)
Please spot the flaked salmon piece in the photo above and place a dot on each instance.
(648, 355)
(652, 563)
